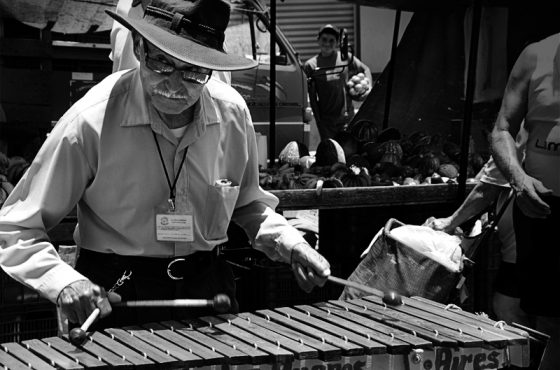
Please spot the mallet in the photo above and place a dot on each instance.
(390, 297)
(221, 303)
(78, 336)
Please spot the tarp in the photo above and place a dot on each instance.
(428, 76)
(64, 16)
(428, 88)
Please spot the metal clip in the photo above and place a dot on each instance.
(125, 276)
(171, 202)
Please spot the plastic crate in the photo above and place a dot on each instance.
(27, 321)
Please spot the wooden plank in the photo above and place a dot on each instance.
(161, 358)
(348, 348)
(281, 349)
(231, 355)
(371, 346)
(300, 350)
(127, 354)
(210, 357)
(350, 312)
(11, 363)
(105, 355)
(261, 352)
(46, 352)
(189, 359)
(398, 323)
(257, 356)
(394, 345)
(513, 334)
(463, 339)
(367, 196)
(326, 352)
(388, 335)
(458, 328)
(27, 357)
(76, 353)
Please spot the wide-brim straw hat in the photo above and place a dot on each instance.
(192, 31)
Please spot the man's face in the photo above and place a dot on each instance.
(327, 43)
(171, 85)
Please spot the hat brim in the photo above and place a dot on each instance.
(184, 49)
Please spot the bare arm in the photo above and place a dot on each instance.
(479, 199)
(512, 112)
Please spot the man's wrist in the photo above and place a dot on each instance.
(297, 245)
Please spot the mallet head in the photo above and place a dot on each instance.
(77, 336)
(221, 303)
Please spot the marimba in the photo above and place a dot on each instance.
(356, 334)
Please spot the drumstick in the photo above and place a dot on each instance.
(391, 298)
(221, 303)
(77, 336)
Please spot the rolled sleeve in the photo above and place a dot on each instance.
(47, 192)
(35, 263)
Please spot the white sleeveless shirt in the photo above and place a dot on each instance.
(542, 121)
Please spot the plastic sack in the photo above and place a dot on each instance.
(412, 261)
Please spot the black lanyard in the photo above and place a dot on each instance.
(171, 199)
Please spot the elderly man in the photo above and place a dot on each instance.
(158, 160)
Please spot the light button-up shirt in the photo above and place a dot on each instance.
(102, 157)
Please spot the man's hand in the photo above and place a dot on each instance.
(78, 300)
(310, 268)
(527, 192)
(440, 224)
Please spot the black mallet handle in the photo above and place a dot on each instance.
(220, 303)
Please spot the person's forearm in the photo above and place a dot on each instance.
(268, 231)
(479, 199)
(369, 76)
(504, 153)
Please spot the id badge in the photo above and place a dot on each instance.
(174, 227)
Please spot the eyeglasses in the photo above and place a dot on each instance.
(195, 74)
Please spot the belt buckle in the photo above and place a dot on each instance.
(171, 276)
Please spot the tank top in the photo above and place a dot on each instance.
(542, 121)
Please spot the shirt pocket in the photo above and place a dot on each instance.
(220, 203)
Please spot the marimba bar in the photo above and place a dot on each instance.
(357, 334)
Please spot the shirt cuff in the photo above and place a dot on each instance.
(286, 242)
(56, 279)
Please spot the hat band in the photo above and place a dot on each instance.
(178, 23)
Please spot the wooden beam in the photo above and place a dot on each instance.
(367, 196)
